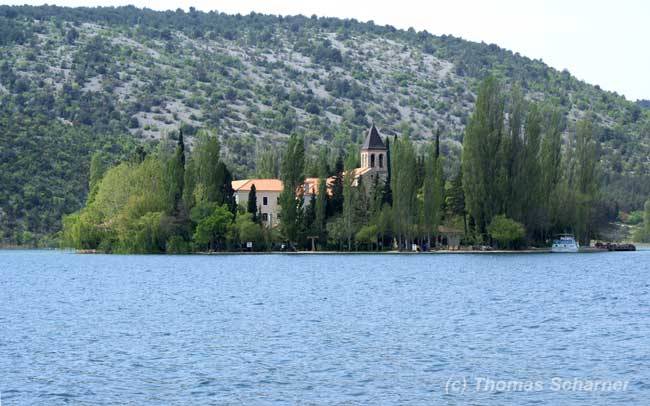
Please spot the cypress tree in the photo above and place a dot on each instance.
(251, 204)
(176, 175)
(226, 194)
(336, 201)
(387, 197)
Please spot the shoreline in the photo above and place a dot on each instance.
(589, 250)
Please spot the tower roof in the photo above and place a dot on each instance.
(373, 140)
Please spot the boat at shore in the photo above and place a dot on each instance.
(565, 243)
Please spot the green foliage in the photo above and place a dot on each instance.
(481, 163)
(211, 231)
(105, 79)
(404, 189)
(177, 245)
(507, 232)
(292, 175)
(367, 235)
(643, 231)
(432, 192)
(246, 230)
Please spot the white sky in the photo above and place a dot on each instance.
(601, 42)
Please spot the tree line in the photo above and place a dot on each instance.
(522, 179)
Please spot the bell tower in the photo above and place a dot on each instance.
(373, 152)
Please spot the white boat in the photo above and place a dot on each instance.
(565, 243)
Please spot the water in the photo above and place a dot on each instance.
(355, 329)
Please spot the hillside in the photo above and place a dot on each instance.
(73, 81)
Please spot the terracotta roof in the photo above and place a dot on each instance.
(373, 140)
(360, 171)
(312, 185)
(265, 185)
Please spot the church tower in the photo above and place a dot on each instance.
(373, 152)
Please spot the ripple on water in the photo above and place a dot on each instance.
(202, 330)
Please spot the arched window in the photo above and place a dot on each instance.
(372, 160)
(381, 160)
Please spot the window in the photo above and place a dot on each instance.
(278, 200)
(372, 160)
(381, 160)
(265, 200)
(265, 217)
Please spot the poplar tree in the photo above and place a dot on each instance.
(455, 199)
(551, 168)
(292, 176)
(403, 184)
(205, 165)
(432, 190)
(530, 173)
(646, 221)
(348, 199)
(322, 199)
(481, 146)
(585, 179)
(510, 181)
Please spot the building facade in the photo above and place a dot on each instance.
(267, 192)
(374, 163)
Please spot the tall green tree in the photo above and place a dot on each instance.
(511, 181)
(432, 191)
(97, 169)
(455, 199)
(586, 182)
(267, 165)
(251, 204)
(336, 201)
(291, 198)
(646, 221)
(226, 194)
(205, 161)
(176, 175)
(551, 170)
(481, 146)
(404, 186)
(211, 231)
(322, 199)
(387, 195)
(530, 175)
(349, 199)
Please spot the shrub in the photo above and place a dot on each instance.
(506, 232)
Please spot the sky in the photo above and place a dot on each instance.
(602, 42)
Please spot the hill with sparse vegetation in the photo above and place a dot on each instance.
(74, 81)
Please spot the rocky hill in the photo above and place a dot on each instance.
(73, 81)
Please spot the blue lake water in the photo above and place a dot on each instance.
(311, 329)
